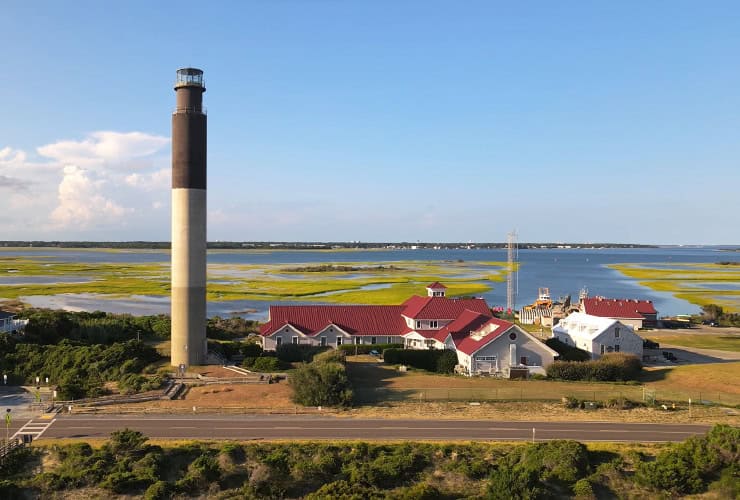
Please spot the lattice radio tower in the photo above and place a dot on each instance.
(511, 275)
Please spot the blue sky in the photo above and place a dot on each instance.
(378, 120)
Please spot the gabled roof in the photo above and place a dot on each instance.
(436, 285)
(584, 325)
(355, 320)
(442, 307)
(618, 308)
(470, 342)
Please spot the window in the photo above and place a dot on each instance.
(339, 341)
(372, 340)
(279, 341)
(523, 360)
(616, 333)
(358, 341)
(323, 341)
(602, 348)
(432, 324)
(418, 324)
(389, 340)
(616, 348)
(485, 358)
(295, 340)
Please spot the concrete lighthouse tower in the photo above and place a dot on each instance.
(189, 220)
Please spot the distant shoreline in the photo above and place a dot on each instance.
(331, 246)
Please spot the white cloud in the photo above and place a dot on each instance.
(86, 188)
(9, 156)
(150, 182)
(81, 203)
(105, 148)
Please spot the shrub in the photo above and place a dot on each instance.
(323, 382)
(446, 362)
(161, 490)
(422, 358)
(292, 353)
(689, 466)
(251, 350)
(583, 489)
(331, 356)
(366, 348)
(266, 364)
(567, 352)
(126, 441)
(611, 368)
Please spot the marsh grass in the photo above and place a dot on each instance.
(114, 280)
(681, 278)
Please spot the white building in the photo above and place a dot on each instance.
(597, 335)
(9, 323)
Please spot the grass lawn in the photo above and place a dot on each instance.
(376, 382)
(720, 342)
(715, 381)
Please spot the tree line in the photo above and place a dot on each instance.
(128, 465)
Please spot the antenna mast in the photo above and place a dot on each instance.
(511, 275)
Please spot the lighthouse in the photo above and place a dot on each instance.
(188, 266)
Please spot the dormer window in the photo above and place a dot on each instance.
(433, 324)
(418, 325)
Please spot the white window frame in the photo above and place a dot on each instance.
(339, 340)
(433, 324)
(418, 324)
(322, 341)
(278, 341)
(294, 340)
(372, 340)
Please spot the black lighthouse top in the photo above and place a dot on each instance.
(190, 77)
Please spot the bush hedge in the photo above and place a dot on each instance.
(610, 368)
(366, 348)
(568, 352)
(433, 360)
(293, 353)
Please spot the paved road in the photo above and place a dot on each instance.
(260, 427)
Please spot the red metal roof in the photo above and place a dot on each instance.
(468, 344)
(442, 308)
(466, 322)
(436, 284)
(355, 320)
(618, 308)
